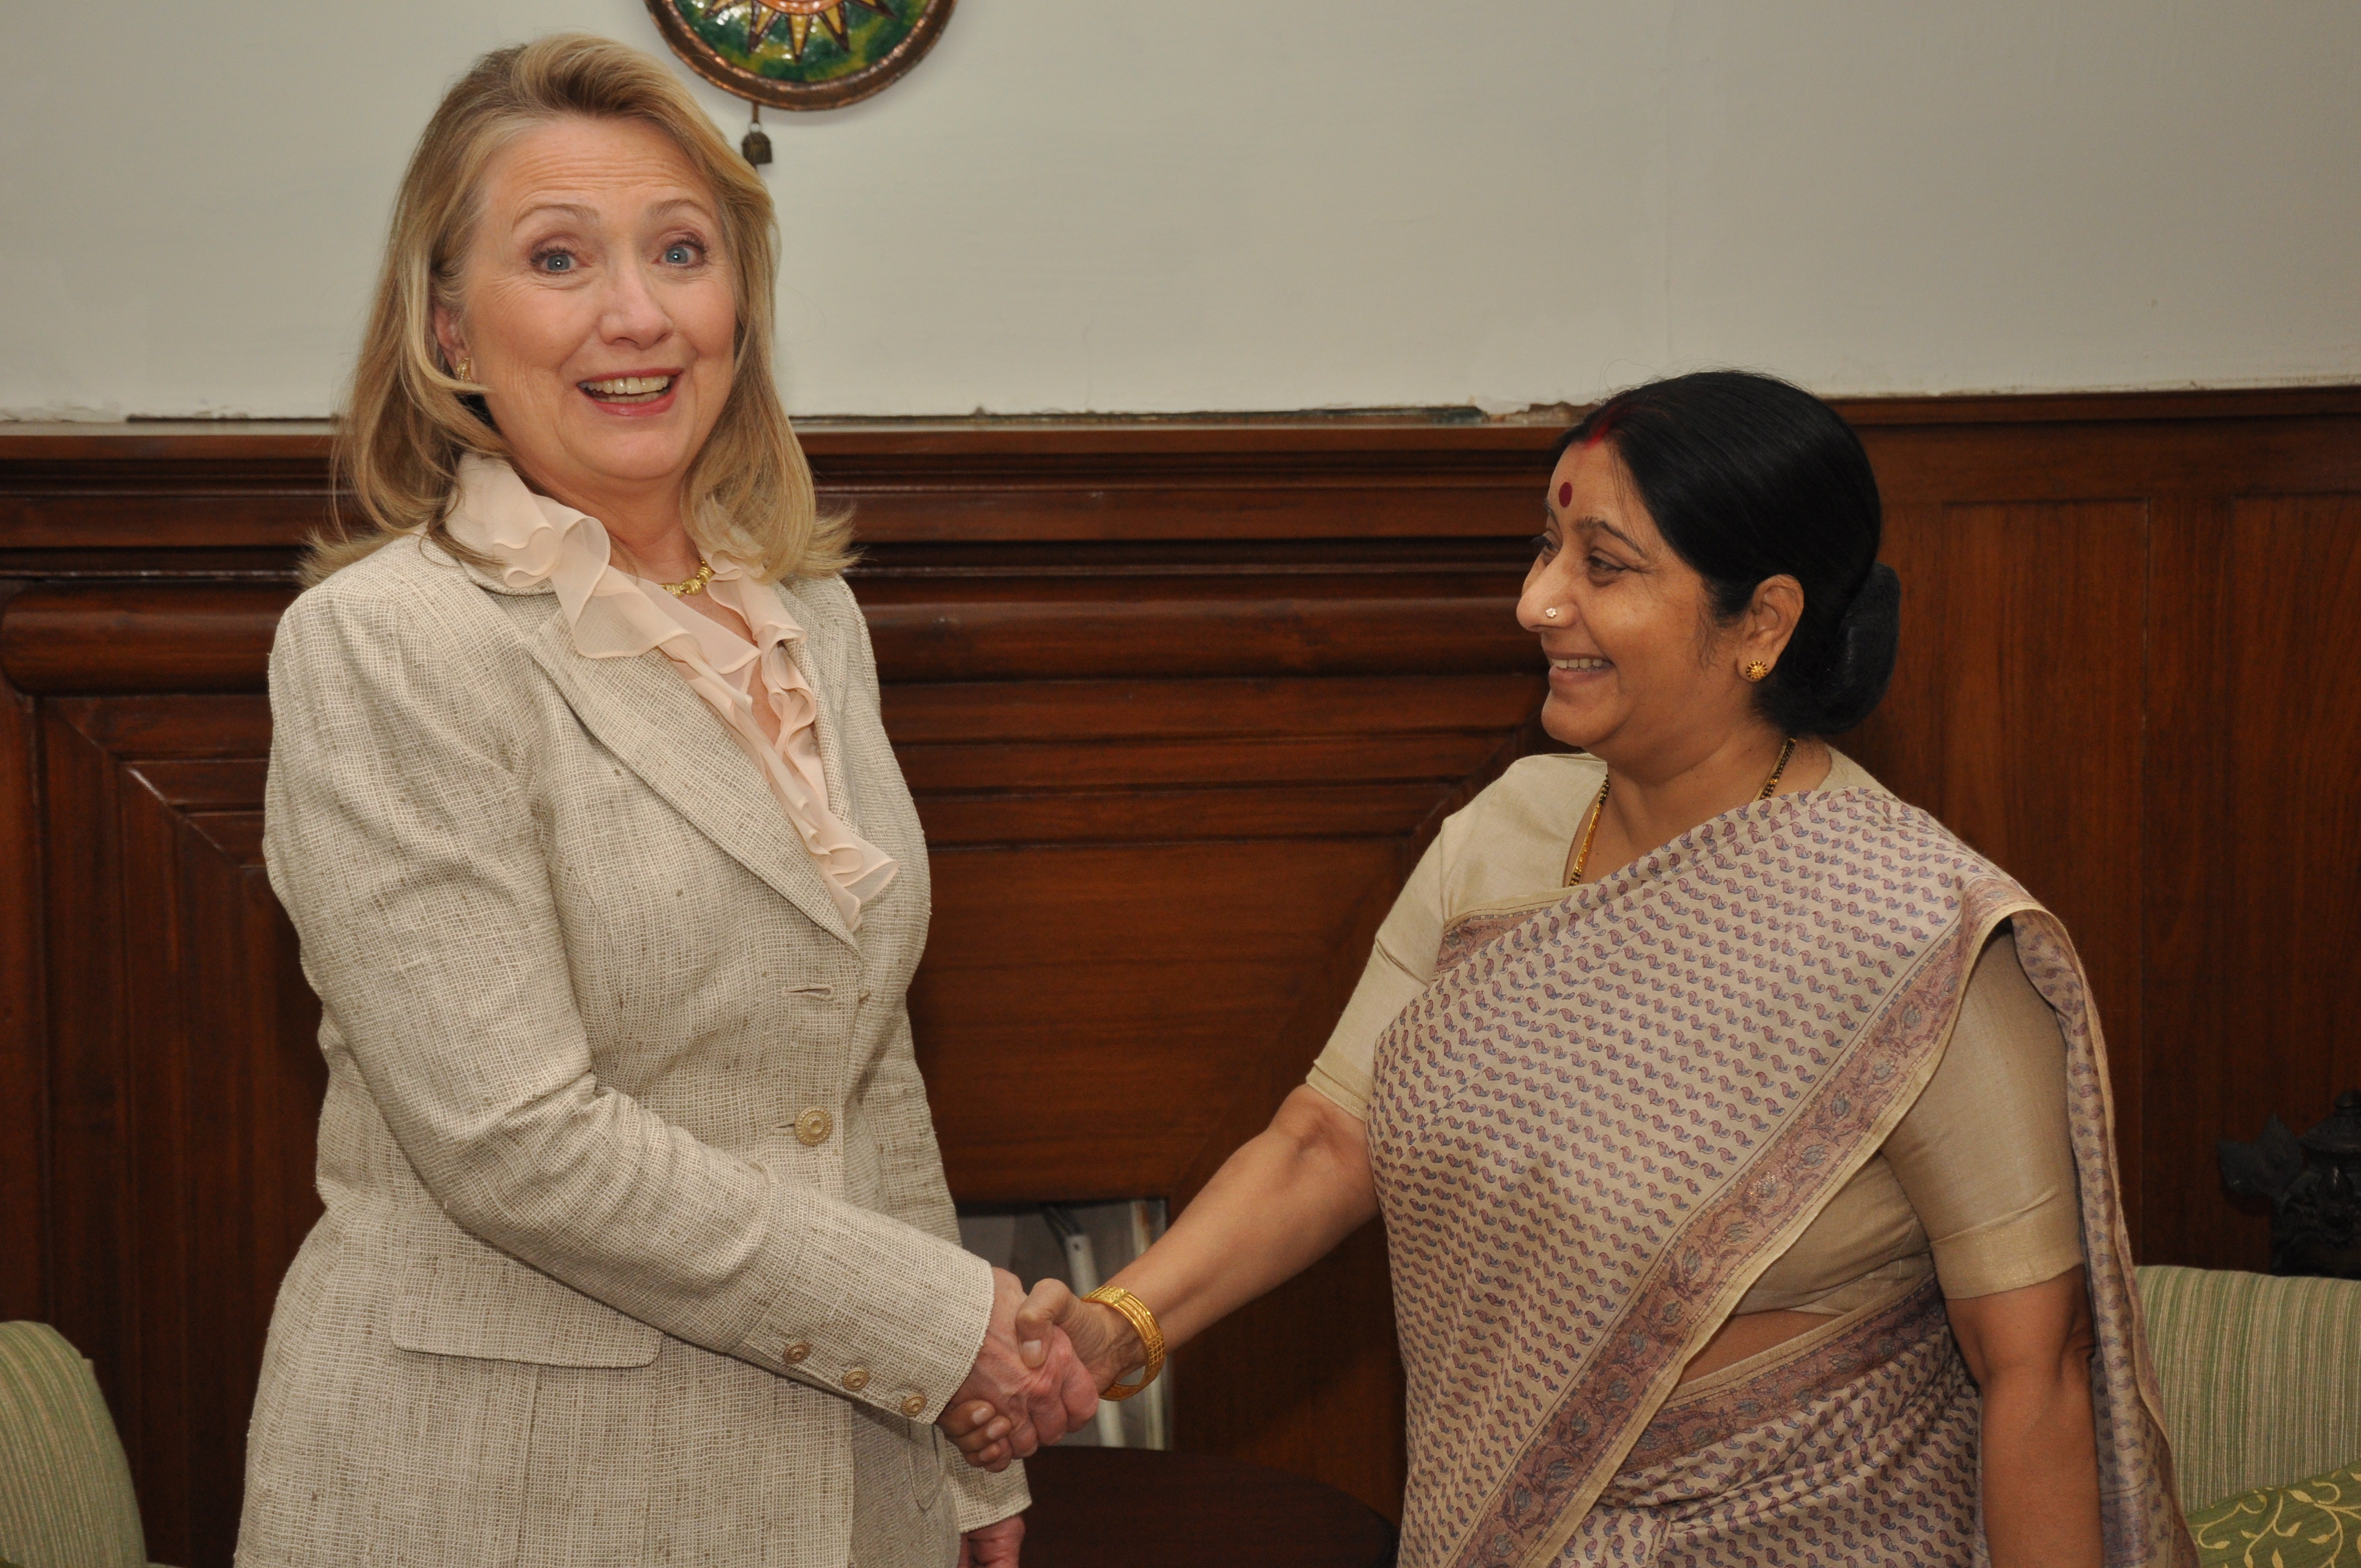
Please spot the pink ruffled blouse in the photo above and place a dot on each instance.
(614, 615)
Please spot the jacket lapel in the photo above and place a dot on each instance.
(647, 715)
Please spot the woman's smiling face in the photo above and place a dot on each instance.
(598, 305)
(1638, 665)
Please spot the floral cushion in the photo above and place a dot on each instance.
(2312, 1524)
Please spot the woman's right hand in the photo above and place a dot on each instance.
(1101, 1338)
(1021, 1393)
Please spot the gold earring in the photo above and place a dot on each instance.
(466, 371)
(1755, 670)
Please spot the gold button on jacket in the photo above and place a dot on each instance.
(914, 1405)
(813, 1128)
(794, 1354)
(856, 1378)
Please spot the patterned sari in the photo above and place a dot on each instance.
(1612, 1111)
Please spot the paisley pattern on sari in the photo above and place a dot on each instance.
(1857, 1445)
(1610, 1112)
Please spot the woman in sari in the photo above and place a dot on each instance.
(1743, 1137)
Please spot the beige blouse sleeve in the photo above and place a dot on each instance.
(1984, 1157)
(1400, 966)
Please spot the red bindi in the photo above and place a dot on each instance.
(1566, 492)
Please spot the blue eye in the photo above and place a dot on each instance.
(554, 261)
(680, 255)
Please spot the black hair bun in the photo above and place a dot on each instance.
(1867, 640)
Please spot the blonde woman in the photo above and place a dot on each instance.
(637, 1247)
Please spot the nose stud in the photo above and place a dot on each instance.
(1551, 612)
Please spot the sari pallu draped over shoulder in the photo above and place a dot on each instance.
(1610, 1113)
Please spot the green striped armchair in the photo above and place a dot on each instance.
(2262, 1400)
(2262, 1376)
(65, 1489)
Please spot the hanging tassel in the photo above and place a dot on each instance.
(757, 144)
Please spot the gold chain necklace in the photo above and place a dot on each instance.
(1582, 856)
(696, 583)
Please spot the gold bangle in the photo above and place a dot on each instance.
(1143, 1322)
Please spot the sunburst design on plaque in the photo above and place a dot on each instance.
(800, 54)
(800, 16)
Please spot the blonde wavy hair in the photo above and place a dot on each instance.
(409, 421)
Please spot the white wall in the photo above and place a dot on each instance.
(1153, 205)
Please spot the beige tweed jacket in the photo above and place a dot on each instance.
(637, 1248)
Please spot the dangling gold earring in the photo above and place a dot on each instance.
(467, 370)
(1755, 670)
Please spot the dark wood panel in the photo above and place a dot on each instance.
(2295, 836)
(2111, 460)
(1258, 759)
(1137, 980)
(186, 1033)
(176, 726)
(1079, 711)
(250, 1092)
(2187, 799)
(1404, 635)
(24, 1026)
(2273, 818)
(85, 640)
(91, 1297)
(185, 638)
(69, 490)
(1185, 1510)
(1160, 815)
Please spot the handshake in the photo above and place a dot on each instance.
(1038, 1378)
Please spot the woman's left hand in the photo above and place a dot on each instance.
(994, 1545)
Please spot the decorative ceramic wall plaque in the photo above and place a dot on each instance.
(801, 54)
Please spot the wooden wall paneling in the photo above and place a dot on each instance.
(1179, 702)
(251, 1096)
(93, 1295)
(2186, 805)
(23, 1077)
(2016, 719)
(1945, 451)
(192, 1039)
(2295, 838)
(137, 638)
(1134, 977)
(2283, 827)
(1111, 899)
(151, 1054)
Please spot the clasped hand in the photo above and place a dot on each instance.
(1058, 1341)
(1027, 1386)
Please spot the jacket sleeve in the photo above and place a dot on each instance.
(401, 839)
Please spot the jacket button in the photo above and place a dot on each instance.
(914, 1405)
(856, 1378)
(813, 1128)
(794, 1352)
